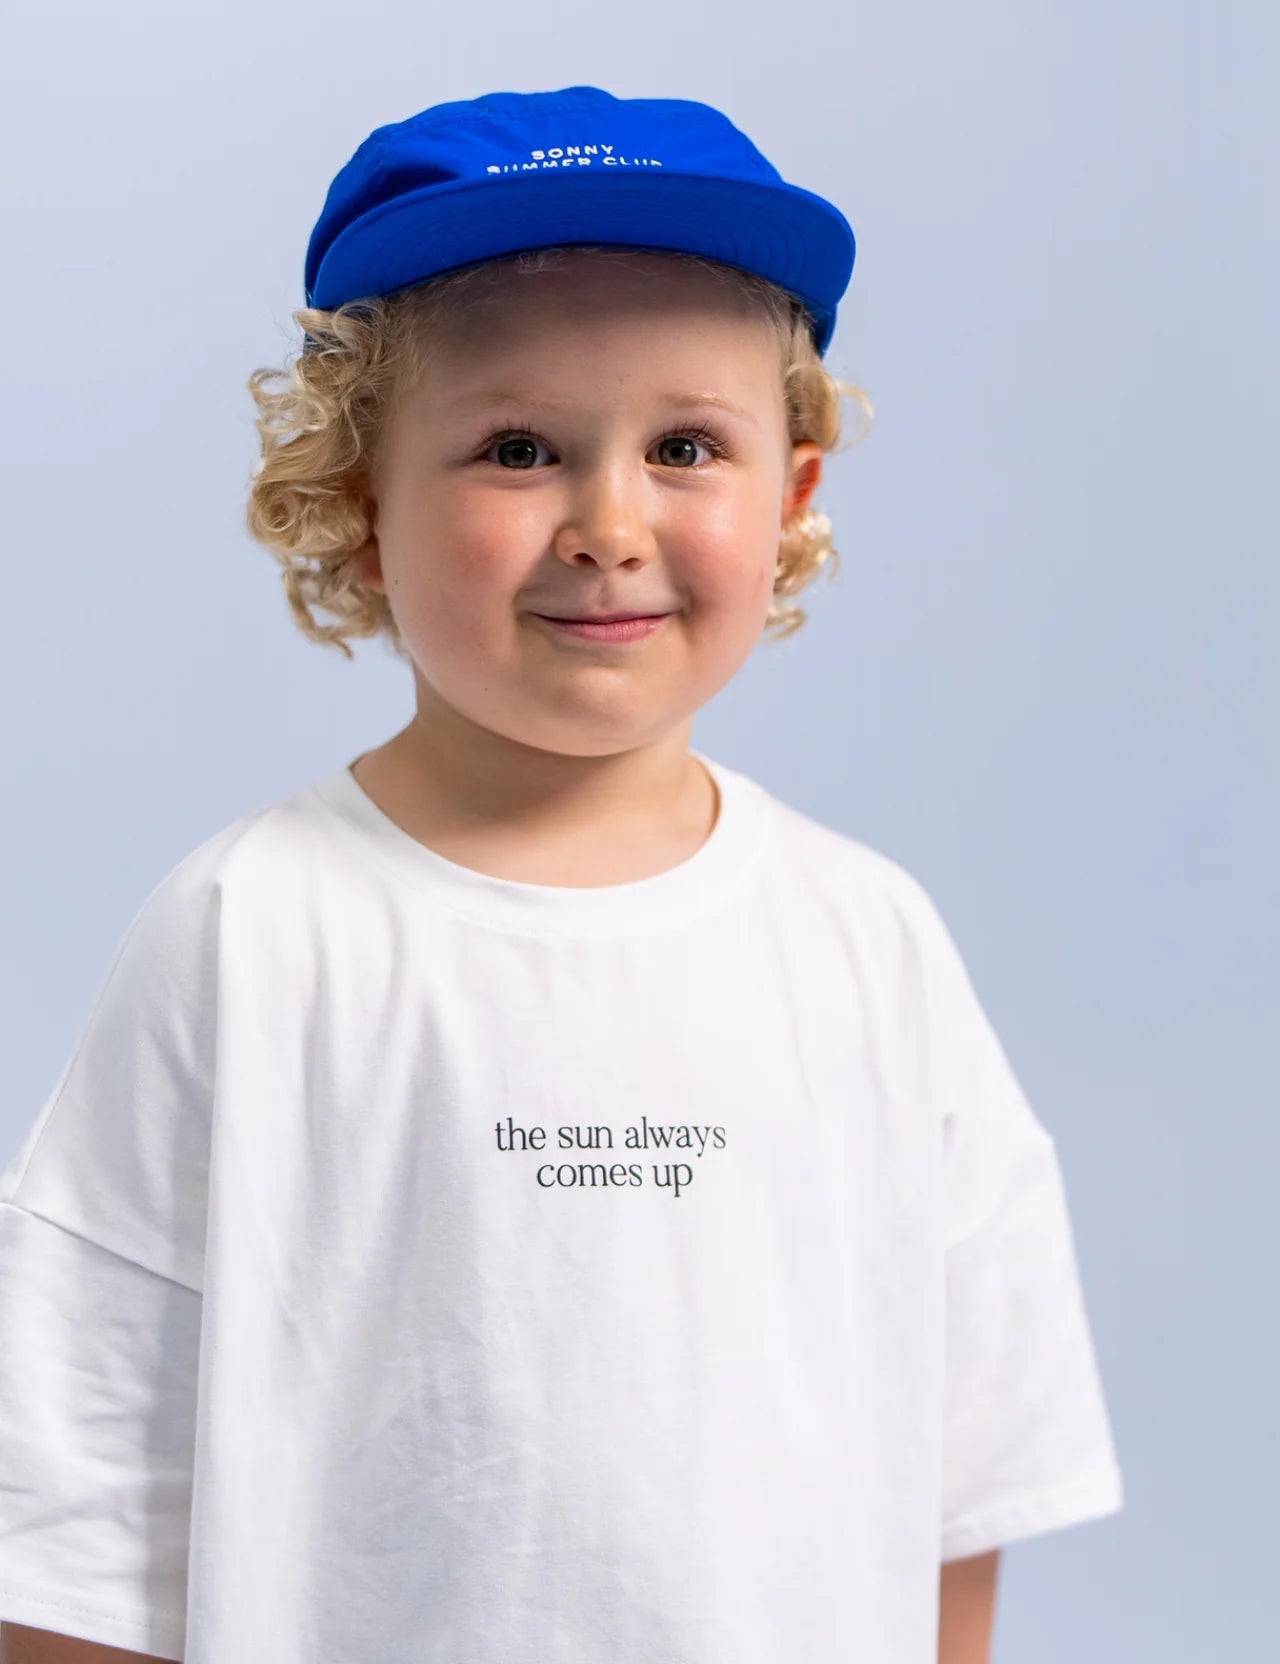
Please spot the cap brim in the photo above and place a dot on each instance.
(794, 238)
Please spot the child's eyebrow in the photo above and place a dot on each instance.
(678, 401)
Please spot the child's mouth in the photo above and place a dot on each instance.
(620, 629)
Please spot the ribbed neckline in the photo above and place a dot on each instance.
(705, 881)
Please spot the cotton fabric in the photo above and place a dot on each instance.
(415, 1265)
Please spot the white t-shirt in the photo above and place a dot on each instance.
(416, 1266)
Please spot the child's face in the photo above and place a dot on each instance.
(476, 537)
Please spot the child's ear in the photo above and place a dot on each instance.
(368, 556)
(802, 479)
(368, 562)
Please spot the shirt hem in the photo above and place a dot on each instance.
(1051, 1509)
(161, 1634)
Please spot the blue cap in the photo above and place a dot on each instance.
(474, 180)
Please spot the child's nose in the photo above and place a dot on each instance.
(609, 512)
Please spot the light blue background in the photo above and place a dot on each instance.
(1043, 678)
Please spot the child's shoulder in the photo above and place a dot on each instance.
(193, 877)
(247, 858)
(855, 873)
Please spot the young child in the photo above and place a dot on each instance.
(531, 1196)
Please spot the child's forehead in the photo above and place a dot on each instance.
(634, 371)
(616, 326)
(670, 317)
(462, 396)
(594, 291)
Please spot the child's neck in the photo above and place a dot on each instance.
(572, 843)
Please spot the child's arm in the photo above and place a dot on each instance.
(967, 1598)
(21, 1645)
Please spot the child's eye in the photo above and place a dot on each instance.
(524, 441)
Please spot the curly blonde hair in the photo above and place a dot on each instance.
(321, 420)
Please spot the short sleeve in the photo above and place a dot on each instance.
(102, 1213)
(1027, 1442)
(97, 1403)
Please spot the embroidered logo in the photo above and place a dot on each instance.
(571, 156)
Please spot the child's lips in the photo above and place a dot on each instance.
(619, 629)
